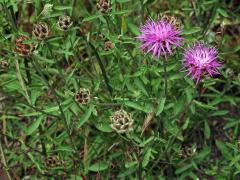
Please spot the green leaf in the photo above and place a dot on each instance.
(34, 126)
(147, 157)
(202, 105)
(146, 108)
(222, 12)
(183, 168)
(85, 117)
(61, 8)
(207, 131)
(99, 166)
(47, 110)
(64, 148)
(219, 113)
(131, 164)
(191, 30)
(223, 148)
(123, 1)
(120, 12)
(104, 127)
(203, 154)
(146, 141)
(174, 130)
(90, 18)
(133, 28)
(140, 86)
(161, 106)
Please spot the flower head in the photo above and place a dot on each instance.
(121, 121)
(41, 30)
(64, 23)
(83, 96)
(200, 60)
(160, 36)
(104, 6)
(47, 9)
(23, 49)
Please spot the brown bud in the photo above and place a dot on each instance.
(41, 30)
(83, 96)
(22, 48)
(108, 45)
(64, 23)
(4, 64)
(53, 161)
(104, 6)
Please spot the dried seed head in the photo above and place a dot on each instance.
(187, 151)
(83, 96)
(4, 64)
(31, 170)
(108, 45)
(21, 48)
(64, 22)
(121, 122)
(104, 6)
(53, 161)
(41, 30)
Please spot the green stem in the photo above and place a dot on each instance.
(106, 80)
(27, 70)
(3, 161)
(142, 10)
(20, 141)
(44, 150)
(37, 68)
(165, 74)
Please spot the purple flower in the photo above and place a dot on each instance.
(200, 60)
(158, 37)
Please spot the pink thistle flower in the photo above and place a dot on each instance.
(200, 60)
(158, 37)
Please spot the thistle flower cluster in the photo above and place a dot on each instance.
(41, 30)
(162, 36)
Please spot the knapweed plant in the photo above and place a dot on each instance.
(119, 89)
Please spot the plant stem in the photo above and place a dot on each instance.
(36, 67)
(3, 161)
(165, 74)
(21, 81)
(142, 11)
(101, 67)
(26, 61)
(44, 150)
(27, 71)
